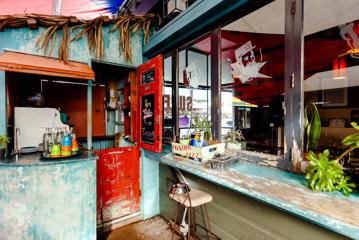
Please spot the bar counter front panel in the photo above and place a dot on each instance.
(48, 200)
(258, 202)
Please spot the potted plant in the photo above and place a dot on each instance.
(202, 125)
(325, 174)
(312, 127)
(4, 140)
(351, 141)
(234, 139)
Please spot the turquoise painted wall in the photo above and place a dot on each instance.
(149, 183)
(52, 202)
(24, 40)
(150, 165)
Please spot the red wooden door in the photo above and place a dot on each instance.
(149, 116)
(118, 183)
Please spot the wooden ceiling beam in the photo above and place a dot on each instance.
(74, 21)
(31, 22)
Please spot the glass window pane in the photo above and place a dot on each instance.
(167, 100)
(331, 72)
(252, 62)
(194, 91)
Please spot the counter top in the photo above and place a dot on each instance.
(34, 159)
(282, 190)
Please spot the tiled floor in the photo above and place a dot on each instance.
(152, 229)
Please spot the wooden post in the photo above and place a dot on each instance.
(175, 96)
(3, 120)
(293, 84)
(89, 114)
(216, 83)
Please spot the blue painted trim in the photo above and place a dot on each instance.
(3, 124)
(194, 19)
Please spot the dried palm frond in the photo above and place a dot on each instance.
(144, 22)
(45, 37)
(122, 25)
(93, 29)
(63, 51)
(48, 37)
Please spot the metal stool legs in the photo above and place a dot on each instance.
(175, 220)
(192, 228)
(206, 220)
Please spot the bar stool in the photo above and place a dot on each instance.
(190, 200)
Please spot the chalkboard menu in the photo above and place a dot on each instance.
(148, 77)
(148, 119)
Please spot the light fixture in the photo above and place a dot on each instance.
(339, 68)
(173, 7)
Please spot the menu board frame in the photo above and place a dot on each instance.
(148, 77)
(150, 113)
(148, 119)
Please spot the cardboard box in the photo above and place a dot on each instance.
(203, 154)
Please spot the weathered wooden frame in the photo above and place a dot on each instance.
(293, 78)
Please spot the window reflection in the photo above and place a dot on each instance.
(252, 60)
(331, 72)
(195, 83)
(167, 102)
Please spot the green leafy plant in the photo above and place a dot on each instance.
(4, 140)
(234, 136)
(351, 141)
(312, 127)
(326, 175)
(345, 185)
(202, 124)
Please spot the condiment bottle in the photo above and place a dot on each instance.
(66, 145)
(47, 142)
(59, 136)
(74, 145)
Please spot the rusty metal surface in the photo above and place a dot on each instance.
(282, 190)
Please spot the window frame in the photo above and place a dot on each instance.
(293, 86)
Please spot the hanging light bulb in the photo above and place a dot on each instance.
(339, 68)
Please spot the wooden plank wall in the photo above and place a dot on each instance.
(72, 99)
(235, 217)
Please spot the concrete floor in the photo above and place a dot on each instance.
(153, 229)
